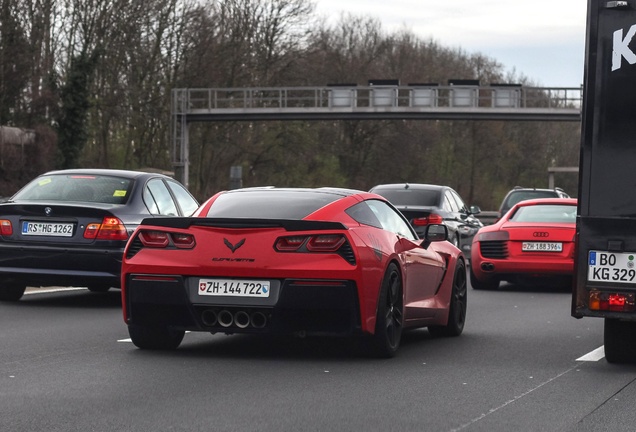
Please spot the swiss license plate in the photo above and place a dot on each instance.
(542, 247)
(47, 229)
(234, 287)
(611, 267)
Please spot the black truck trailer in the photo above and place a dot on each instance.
(605, 263)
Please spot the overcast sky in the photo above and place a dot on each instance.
(543, 40)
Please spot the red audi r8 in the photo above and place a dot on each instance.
(291, 261)
(533, 241)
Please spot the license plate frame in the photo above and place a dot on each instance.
(47, 229)
(218, 287)
(542, 247)
(611, 267)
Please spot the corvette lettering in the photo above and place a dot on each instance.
(233, 259)
(621, 49)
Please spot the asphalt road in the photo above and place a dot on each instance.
(66, 365)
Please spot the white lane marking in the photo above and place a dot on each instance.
(513, 400)
(595, 355)
(52, 290)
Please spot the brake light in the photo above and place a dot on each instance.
(613, 302)
(163, 239)
(289, 244)
(183, 241)
(155, 239)
(111, 228)
(325, 243)
(6, 229)
(310, 243)
(432, 218)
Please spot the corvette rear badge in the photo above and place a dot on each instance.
(231, 246)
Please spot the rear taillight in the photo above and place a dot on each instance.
(163, 239)
(431, 219)
(155, 239)
(183, 241)
(310, 243)
(6, 229)
(111, 228)
(612, 301)
(289, 244)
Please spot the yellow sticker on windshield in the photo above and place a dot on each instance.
(119, 193)
(44, 182)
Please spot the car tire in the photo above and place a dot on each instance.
(620, 341)
(98, 288)
(11, 292)
(491, 284)
(155, 338)
(457, 308)
(390, 316)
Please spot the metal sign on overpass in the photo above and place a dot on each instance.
(381, 100)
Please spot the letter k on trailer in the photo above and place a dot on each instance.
(605, 263)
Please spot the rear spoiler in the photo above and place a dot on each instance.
(287, 224)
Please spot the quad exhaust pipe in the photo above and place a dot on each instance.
(241, 318)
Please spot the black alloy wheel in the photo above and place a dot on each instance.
(11, 292)
(458, 305)
(390, 317)
(155, 338)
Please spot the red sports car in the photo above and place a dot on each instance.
(291, 261)
(533, 241)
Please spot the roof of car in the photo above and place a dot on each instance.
(327, 190)
(521, 188)
(106, 172)
(556, 201)
(408, 186)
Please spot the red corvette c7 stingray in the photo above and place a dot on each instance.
(267, 260)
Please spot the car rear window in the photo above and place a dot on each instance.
(517, 197)
(411, 197)
(270, 204)
(545, 213)
(81, 188)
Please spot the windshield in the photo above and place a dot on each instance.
(81, 188)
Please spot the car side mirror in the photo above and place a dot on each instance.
(474, 209)
(435, 233)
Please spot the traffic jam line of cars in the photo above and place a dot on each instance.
(266, 260)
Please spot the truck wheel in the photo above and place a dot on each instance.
(155, 338)
(620, 341)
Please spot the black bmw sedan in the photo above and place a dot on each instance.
(424, 204)
(70, 227)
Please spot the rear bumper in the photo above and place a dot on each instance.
(484, 268)
(52, 266)
(294, 306)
